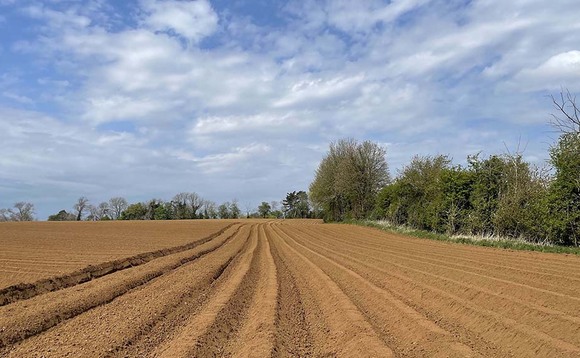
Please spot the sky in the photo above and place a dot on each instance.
(239, 99)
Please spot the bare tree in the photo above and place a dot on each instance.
(195, 203)
(24, 211)
(116, 206)
(567, 120)
(210, 209)
(93, 213)
(4, 215)
(103, 210)
(274, 205)
(80, 207)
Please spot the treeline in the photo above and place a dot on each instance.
(501, 195)
(182, 206)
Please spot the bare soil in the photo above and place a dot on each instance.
(305, 289)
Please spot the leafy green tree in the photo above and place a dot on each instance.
(136, 211)
(223, 211)
(457, 185)
(417, 198)
(264, 209)
(489, 184)
(521, 205)
(348, 179)
(234, 210)
(296, 205)
(62, 216)
(564, 199)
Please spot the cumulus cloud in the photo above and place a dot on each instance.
(203, 96)
(561, 70)
(192, 20)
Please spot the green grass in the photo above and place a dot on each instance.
(487, 242)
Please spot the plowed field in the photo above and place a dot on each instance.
(305, 289)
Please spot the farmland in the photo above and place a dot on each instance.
(294, 288)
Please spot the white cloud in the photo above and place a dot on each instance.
(252, 110)
(193, 20)
(319, 91)
(264, 122)
(561, 70)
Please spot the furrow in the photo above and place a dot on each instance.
(525, 260)
(256, 336)
(293, 337)
(409, 332)
(123, 320)
(554, 298)
(206, 333)
(24, 319)
(486, 322)
(338, 327)
(25, 291)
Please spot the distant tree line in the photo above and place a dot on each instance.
(182, 206)
(501, 195)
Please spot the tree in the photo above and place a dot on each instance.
(23, 211)
(564, 197)
(62, 216)
(103, 211)
(155, 210)
(296, 205)
(93, 215)
(209, 210)
(4, 215)
(264, 209)
(187, 205)
(223, 210)
(235, 209)
(567, 117)
(416, 198)
(136, 211)
(116, 206)
(80, 207)
(348, 179)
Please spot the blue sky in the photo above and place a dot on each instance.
(239, 99)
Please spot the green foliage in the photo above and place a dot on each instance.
(234, 210)
(136, 211)
(223, 211)
(489, 183)
(264, 209)
(416, 198)
(296, 205)
(62, 216)
(564, 196)
(503, 244)
(348, 179)
(497, 196)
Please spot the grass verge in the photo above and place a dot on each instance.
(511, 244)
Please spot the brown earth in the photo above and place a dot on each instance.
(305, 289)
(38, 250)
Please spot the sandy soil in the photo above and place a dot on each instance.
(35, 250)
(305, 289)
